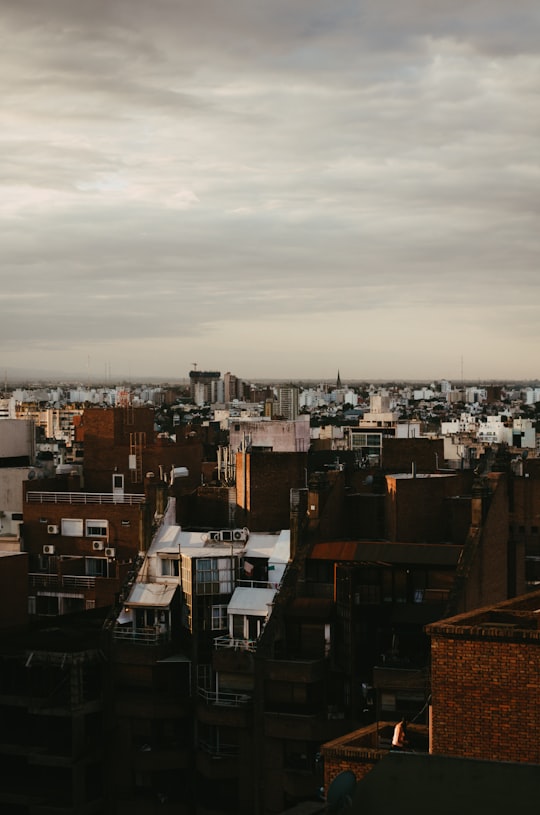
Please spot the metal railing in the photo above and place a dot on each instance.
(224, 698)
(150, 635)
(84, 498)
(57, 581)
(236, 643)
(218, 750)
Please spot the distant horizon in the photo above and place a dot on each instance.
(74, 379)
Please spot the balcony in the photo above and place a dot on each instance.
(235, 643)
(84, 498)
(223, 709)
(147, 635)
(65, 582)
(224, 698)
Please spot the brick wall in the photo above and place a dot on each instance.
(270, 477)
(417, 509)
(485, 697)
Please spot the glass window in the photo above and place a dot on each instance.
(169, 567)
(207, 576)
(219, 618)
(96, 566)
(96, 529)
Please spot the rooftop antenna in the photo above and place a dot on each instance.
(194, 366)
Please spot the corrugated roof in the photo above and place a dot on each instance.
(437, 554)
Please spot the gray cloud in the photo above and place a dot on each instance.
(217, 179)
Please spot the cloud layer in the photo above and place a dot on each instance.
(275, 188)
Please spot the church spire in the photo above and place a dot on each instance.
(338, 381)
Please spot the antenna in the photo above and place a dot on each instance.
(194, 366)
(340, 792)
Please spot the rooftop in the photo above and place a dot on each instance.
(515, 619)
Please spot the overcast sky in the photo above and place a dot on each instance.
(279, 188)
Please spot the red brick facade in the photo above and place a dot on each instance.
(486, 683)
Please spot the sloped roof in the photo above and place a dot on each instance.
(151, 595)
(251, 602)
(437, 554)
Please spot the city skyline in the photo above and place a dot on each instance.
(298, 187)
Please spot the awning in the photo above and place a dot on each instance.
(251, 602)
(151, 595)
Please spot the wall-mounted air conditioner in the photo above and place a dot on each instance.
(240, 534)
(214, 536)
(52, 529)
(98, 546)
(48, 549)
(110, 551)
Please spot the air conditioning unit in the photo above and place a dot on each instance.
(214, 536)
(52, 529)
(48, 549)
(110, 551)
(240, 534)
(98, 546)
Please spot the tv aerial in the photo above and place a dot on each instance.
(340, 792)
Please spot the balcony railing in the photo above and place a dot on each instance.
(235, 643)
(150, 635)
(84, 498)
(218, 750)
(223, 698)
(66, 581)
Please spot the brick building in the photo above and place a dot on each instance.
(479, 755)
(263, 485)
(485, 682)
(121, 446)
(80, 545)
(54, 727)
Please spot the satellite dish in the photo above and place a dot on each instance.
(340, 792)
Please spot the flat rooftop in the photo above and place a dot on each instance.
(515, 619)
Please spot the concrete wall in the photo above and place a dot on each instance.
(17, 439)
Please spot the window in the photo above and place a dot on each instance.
(207, 576)
(219, 618)
(72, 527)
(169, 567)
(97, 529)
(96, 566)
